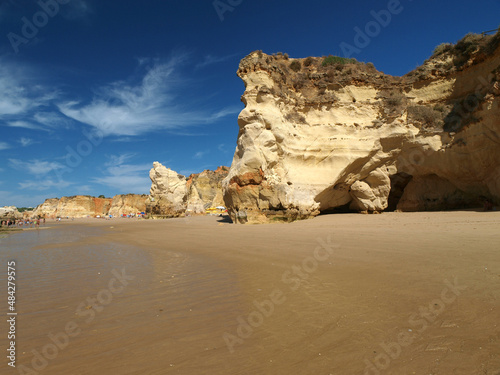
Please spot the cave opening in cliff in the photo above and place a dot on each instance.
(335, 199)
(344, 209)
(399, 181)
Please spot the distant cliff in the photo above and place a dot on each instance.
(83, 205)
(331, 134)
(10, 213)
(128, 204)
(173, 194)
(76, 207)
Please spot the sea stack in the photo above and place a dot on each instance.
(330, 134)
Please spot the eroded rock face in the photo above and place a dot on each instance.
(317, 138)
(48, 208)
(173, 195)
(75, 207)
(10, 213)
(205, 190)
(128, 204)
(168, 192)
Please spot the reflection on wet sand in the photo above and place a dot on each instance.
(199, 297)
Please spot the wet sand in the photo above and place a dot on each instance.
(412, 293)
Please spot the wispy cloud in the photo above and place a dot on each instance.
(44, 184)
(4, 146)
(128, 109)
(13, 97)
(40, 170)
(22, 97)
(51, 119)
(211, 60)
(225, 112)
(19, 91)
(200, 154)
(35, 167)
(222, 148)
(144, 103)
(127, 178)
(23, 124)
(25, 142)
(127, 139)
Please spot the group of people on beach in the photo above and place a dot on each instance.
(27, 223)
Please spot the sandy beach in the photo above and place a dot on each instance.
(397, 293)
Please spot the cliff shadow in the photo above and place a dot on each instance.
(224, 219)
(399, 181)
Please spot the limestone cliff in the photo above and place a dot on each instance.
(326, 134)
(47, 209)
(173, 194)
(168, 192)
(10, 213)
(204, 190)
(76, 207)
(128, 204)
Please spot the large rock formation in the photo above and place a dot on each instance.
(76, 207)
(172, 194)
(204, 190)
(326, 134)
(128, 204)
(82, 206)
(47, 209)
(168, 192)
(10, 213)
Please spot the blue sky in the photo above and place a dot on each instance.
(93, 92)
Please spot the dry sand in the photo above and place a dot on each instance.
(412, 293)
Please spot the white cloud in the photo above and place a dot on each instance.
(128, 109)
(126, 139)
(13, 97)
(25, 142)
(44, 184)
(23, 124)
(18, 92)
(225, 112)
(35, 167)
(51, 119)
(200, 154)
(210, 60)
(138, 105)
(21, 97)
(126, 178)
(4, 146)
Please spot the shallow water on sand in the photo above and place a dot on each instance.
(126, 307)
(188, 283)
